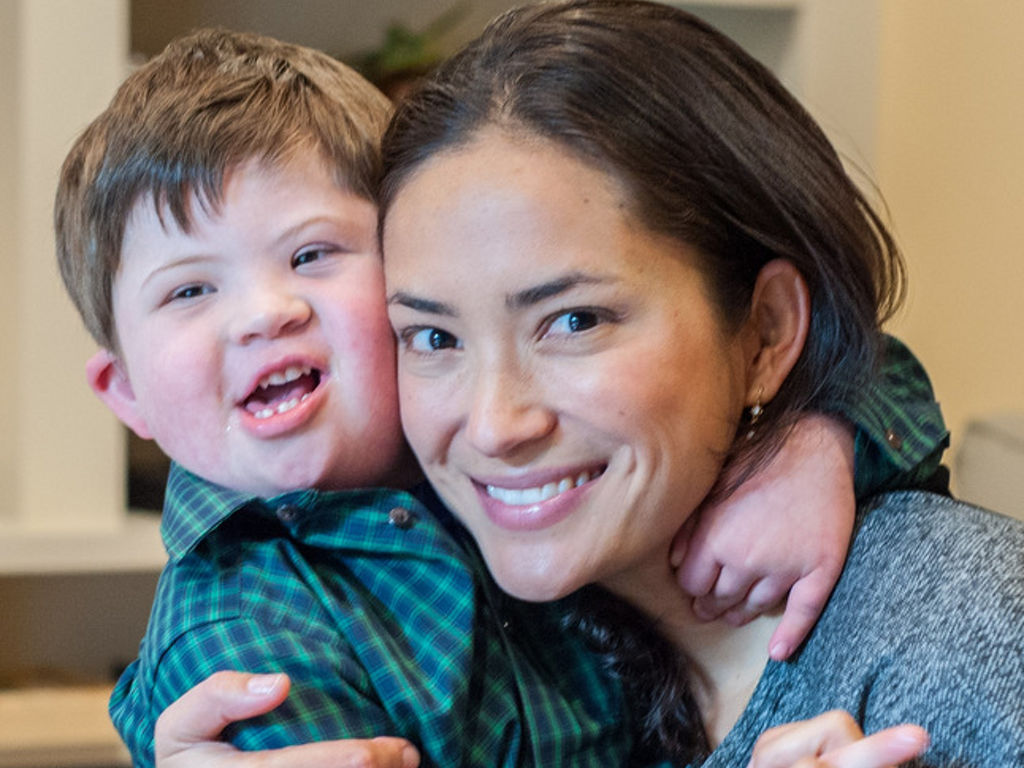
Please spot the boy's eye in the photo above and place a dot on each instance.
(310, 255)
(426, 340)
(190, 291)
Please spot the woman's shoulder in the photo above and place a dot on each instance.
(919, 524)
(929, 561)
(928, 622)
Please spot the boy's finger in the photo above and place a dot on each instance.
(382, 752)
(806, 601)
(730, 590)
(224, 697)
(696, 576)
(785, 745)
(890, 747)
(681, 541)
(764, 595)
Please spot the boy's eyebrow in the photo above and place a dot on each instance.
(336, 220)
(183, 261)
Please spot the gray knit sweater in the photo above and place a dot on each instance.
(926, 625)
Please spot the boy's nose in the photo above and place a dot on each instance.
(270, 314)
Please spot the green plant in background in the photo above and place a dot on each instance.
(405, 55)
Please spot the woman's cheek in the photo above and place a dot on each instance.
(420, 420)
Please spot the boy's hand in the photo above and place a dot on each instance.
(834, 740)
(187, 731)
(786, 529)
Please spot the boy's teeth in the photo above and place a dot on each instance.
(525, 496)
(289, 374)
(284, 407)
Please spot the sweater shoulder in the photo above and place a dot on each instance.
(924, 566)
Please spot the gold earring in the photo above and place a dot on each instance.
(754, 413)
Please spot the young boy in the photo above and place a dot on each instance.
(217, 233)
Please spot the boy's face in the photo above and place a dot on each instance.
(256, 349)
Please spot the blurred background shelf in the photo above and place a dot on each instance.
(134, 545)
(65, 727)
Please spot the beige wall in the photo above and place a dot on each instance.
(951, 166)
(8, 218)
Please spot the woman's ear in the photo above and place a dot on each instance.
(780, 315)
(107, 378)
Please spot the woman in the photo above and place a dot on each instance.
(615, 283)
(596, 264)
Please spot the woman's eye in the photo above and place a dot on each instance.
(190, 291)
(575, 321)
(430, 340)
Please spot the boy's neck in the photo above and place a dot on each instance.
(406, 472)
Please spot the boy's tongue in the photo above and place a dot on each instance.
(274, 394)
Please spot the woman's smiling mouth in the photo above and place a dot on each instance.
(539, 493)
(534, 507)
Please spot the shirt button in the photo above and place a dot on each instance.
(287, 513)
(401, 518)
(894, 440)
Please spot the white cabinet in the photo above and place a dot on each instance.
(66, 538)
(61, 457)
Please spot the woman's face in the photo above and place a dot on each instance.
(564, 379)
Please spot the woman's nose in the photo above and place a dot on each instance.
(269, 312)
(507, 412)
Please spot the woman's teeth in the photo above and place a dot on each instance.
(524, 496)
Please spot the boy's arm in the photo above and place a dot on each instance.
(788, 527)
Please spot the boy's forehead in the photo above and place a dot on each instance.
(178, 210)
(180, 205)
(175, 209)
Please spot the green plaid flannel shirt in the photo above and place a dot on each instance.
(900, 431)
(383, 614)
(386, 621)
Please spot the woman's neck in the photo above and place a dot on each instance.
(727, 661)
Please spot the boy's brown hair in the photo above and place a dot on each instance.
(210, 101)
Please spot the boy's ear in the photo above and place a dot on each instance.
(780, 315)
(109, 381)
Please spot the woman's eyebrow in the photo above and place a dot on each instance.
(518, 300)
(538, 293)
(422, 305)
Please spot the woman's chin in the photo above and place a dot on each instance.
(534, 585)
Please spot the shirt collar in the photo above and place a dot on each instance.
(195, 507)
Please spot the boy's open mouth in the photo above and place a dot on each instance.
(281, 391)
